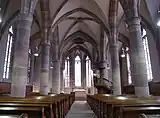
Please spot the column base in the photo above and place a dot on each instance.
(142, 91)
(117, 92)
(44, 84)
(56, 88)
(18, 87)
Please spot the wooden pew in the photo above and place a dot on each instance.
(17, 106)
(97, 103)
(37, 106)
(123, 106)
(63, 105)
(133, 108)
(14, 116)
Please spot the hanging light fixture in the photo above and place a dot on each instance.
(51, 67)
(108, 66)
(36, 52)
(123, 53)
(0, 16)
(158, 14)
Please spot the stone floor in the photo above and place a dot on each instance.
(80, 109)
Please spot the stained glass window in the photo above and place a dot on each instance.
(77, 71)
(7, 63)
(147, 55)
(89, 72)
(66, 73)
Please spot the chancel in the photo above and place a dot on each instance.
(79, 58)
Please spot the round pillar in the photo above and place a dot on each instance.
(20, 62)
(115, 69)
(44, 80)
(56, 81)
(138, 65)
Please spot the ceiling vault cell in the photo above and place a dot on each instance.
(69, 40)
(65, 16)
(78, 34)
(78, 47)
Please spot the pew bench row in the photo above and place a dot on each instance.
(37, 106)
(109, 106)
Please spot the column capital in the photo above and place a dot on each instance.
(134, 24)
(103, 64)
(83, 61)
(28, 6)
(133, 21)
(24, 21)
(25, 17)
(115, 45)
(46, 43)
(56, 61)
(131, 8)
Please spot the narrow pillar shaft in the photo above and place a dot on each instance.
(124, 73)
(62, 80)
(56, 82)
(37, 75)
(44, 87)
(32, 69)
(50, 80)
(20, 63)
(83, 73)
(72, 72)
(138, 65)
(115, 69)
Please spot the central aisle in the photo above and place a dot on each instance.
(80, 109)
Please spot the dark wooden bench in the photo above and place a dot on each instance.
(14, 116)
(108, 106)
(37, 106)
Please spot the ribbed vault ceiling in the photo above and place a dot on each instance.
(85, 16)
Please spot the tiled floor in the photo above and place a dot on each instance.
(80, 109)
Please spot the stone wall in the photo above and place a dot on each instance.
(5, 88)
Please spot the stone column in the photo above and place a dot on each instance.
(50, 79)
(83, 73)
(45, 52)
(113, 24)
(62, 77)
(123, 70)
(115, 69)
(62, 81)
(20, 63)
(32, 69)
(72, 71)
(138, 65)
(37, 71)
(44, 85)
(56, 81)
